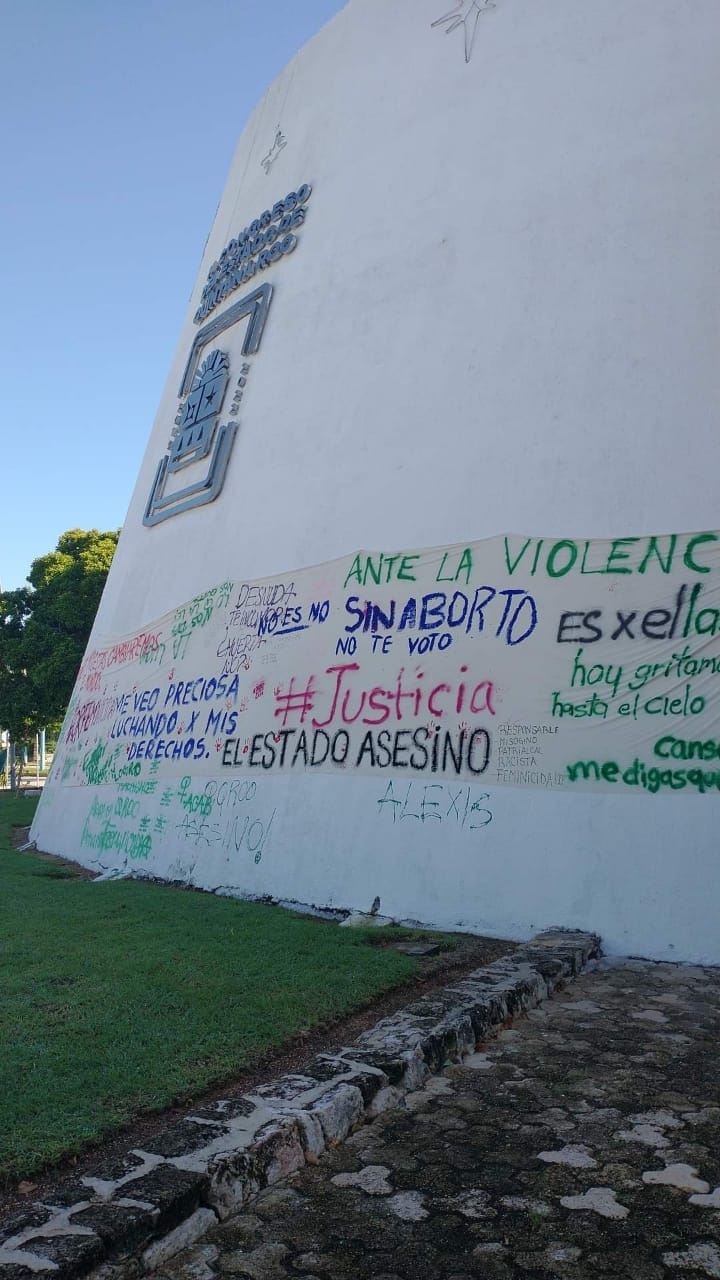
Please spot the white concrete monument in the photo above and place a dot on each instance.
(459, 308)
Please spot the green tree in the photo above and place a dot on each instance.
(44, 629)
(16, 694)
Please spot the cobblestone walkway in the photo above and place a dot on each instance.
(583, 1142)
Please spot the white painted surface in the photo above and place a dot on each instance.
(502, 314)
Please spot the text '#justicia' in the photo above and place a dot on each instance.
(345, 699)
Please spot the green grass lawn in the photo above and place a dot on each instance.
(121, 997)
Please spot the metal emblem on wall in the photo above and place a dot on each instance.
(199, 447)
(198, 441)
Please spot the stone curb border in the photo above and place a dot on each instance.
(137, 1213)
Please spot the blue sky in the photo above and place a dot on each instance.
(117, 126)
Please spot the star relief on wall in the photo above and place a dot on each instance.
(465, 14)
(280, 142)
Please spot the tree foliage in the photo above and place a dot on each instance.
(44, 628)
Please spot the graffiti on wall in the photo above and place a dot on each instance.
(514, 661)
(227, 818)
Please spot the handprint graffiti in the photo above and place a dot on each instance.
(466, 14)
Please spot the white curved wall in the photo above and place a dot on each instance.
(502, 313)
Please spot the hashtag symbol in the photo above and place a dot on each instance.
(302, 700)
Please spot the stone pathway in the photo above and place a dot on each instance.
(136, 1207)
(583, 1142)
